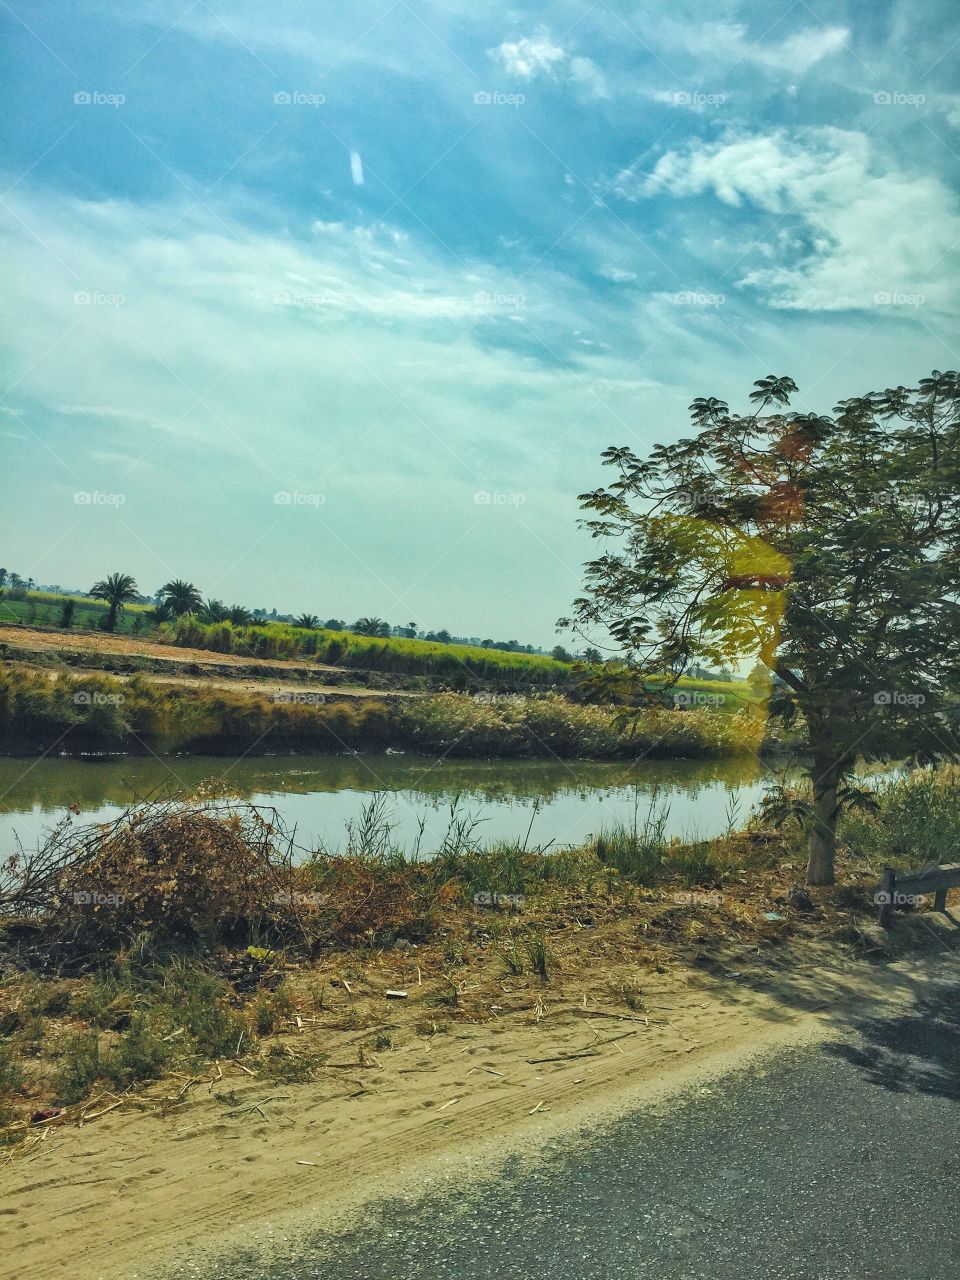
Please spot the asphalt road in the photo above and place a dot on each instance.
(837, 1161)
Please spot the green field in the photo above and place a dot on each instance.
(44, 609)
(458, 666)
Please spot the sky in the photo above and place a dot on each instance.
(333, 308)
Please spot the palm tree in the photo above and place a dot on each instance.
(309, 621)
(117, 589)
(3, 577)
(161, 612)
(240, 615)
(214, 611)
(180, 597)
(371, 627)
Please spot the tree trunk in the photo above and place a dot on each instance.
(822, 842)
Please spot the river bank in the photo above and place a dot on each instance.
(42, 711)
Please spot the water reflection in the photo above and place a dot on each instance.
(321, 793)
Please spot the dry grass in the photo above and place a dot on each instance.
(226, 945)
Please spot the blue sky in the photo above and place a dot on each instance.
(412, 267)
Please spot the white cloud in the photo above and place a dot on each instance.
(731, 42)
(530, 57)
(801, 51)
(847, 230)
(617, 274)
(539, 55)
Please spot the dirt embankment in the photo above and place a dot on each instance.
(407, 1086)
(123, 656)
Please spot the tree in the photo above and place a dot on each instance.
(335, 624)
(117, 589)
(180, 597)
(240, 616)
(66, 613)
(214, 611)
(590, 654)
(443, 635)
(371, 627)
(3, 577)
(826, 546)
(559, 654)
(309, 621)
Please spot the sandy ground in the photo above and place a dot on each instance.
(232, 1158)
(22, 637)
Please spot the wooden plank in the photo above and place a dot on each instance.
(885, 897)
(928, 880)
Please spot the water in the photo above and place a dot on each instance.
(566, 802)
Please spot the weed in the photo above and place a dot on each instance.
(512, 956)
(537, 955)
(286, 1067)
(139, 1054)
(80, 1067)
(270, 1008)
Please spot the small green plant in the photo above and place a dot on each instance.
(270, 1009)
(11, 1072)
(537, 955)
(512, 956)
(139, 1054)
(79, 1068)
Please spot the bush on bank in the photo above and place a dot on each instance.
(99, 713)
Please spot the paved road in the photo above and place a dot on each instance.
(830, 1162)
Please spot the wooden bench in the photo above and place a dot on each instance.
(901, 887)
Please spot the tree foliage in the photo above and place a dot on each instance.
(825, 545)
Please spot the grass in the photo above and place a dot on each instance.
(461, 667)
(45, 609)
(101, 713)
(174, 982)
